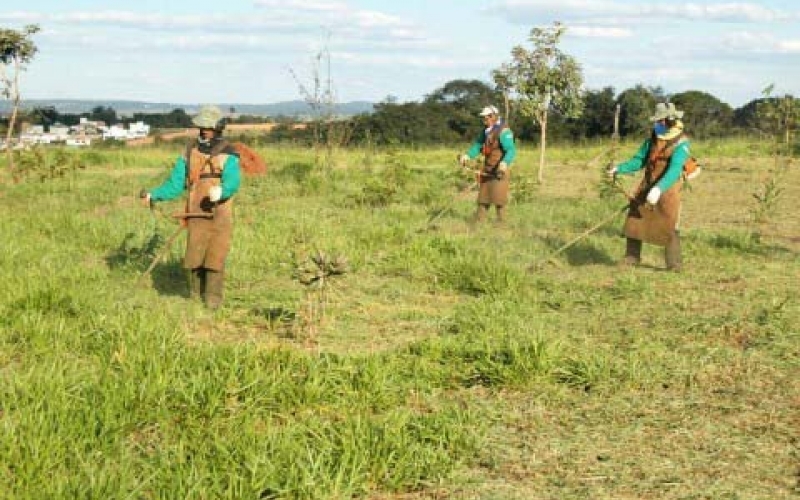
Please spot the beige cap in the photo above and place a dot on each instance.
(665, 111)
(208, 117)
(489, 110)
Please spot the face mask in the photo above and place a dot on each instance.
(660, 128)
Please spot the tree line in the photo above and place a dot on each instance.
(448, 115)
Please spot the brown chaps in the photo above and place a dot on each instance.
(209, 240)
(494, 191)
(654, 224)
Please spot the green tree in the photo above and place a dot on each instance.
(104, 114)
(766, 116)
(45, 115)
(177, 118)
(16, 50)
(410, 123)
(470, 95)
(636, 108)
(598, 113)
(706, 116)
(780, 117)
(541, 80)
(460, 100)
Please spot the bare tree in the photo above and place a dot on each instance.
(16, 50)
(542, 79)
(321, 98)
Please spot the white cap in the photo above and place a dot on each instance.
(490, 110)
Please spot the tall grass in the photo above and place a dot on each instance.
(443, 365)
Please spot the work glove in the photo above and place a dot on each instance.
(612, 172)
(215, 193)
(654, 195)
(502, 168)
(463, 160)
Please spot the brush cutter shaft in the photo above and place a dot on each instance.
(163, 253)
(583, 235)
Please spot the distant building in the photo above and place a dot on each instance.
(82, 134)
(135, 130)
(59, 131)
(79, 141)
(138, 130)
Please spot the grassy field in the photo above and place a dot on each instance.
(448, 362)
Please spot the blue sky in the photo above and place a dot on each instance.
(245, 51)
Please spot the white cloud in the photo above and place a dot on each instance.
(759, 43)
(789, 46)
(466, 63)
(528, 11)
(303, 5)
(149, 21)
(372, 19)
(332, 13)
(286, 27)
(283, 20)
(598, 32)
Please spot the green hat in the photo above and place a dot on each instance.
(208, 117)
(666, 111)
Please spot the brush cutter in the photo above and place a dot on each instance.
(480, 175)
(183, 217)
(589, 231)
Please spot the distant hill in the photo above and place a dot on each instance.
(295, 108)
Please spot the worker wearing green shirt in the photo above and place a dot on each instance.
(496, 143)
(210, 174)
(654, 213)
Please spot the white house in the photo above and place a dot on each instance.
(116, 132)
(79, 141)
(138, 130)
(134, 131)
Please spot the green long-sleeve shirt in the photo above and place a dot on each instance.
(175, 184)
(674, 169)
(506, 142)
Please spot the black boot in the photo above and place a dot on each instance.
(672, 253)
(633, 252)
(197, 283)
(215, 282)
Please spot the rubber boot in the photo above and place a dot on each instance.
(672, 254)
(633, 252)
(215, 282)
(197, 279)
(501, 215)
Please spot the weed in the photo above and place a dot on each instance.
(767, 197)
(48, 164)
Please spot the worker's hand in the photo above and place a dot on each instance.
(146, 198)
(654, 195)
(612, 172)
(502, 169)
(463, 160)
(215, 193)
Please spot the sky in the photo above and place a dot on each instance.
(264, 51)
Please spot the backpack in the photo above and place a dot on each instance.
(691, 168)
